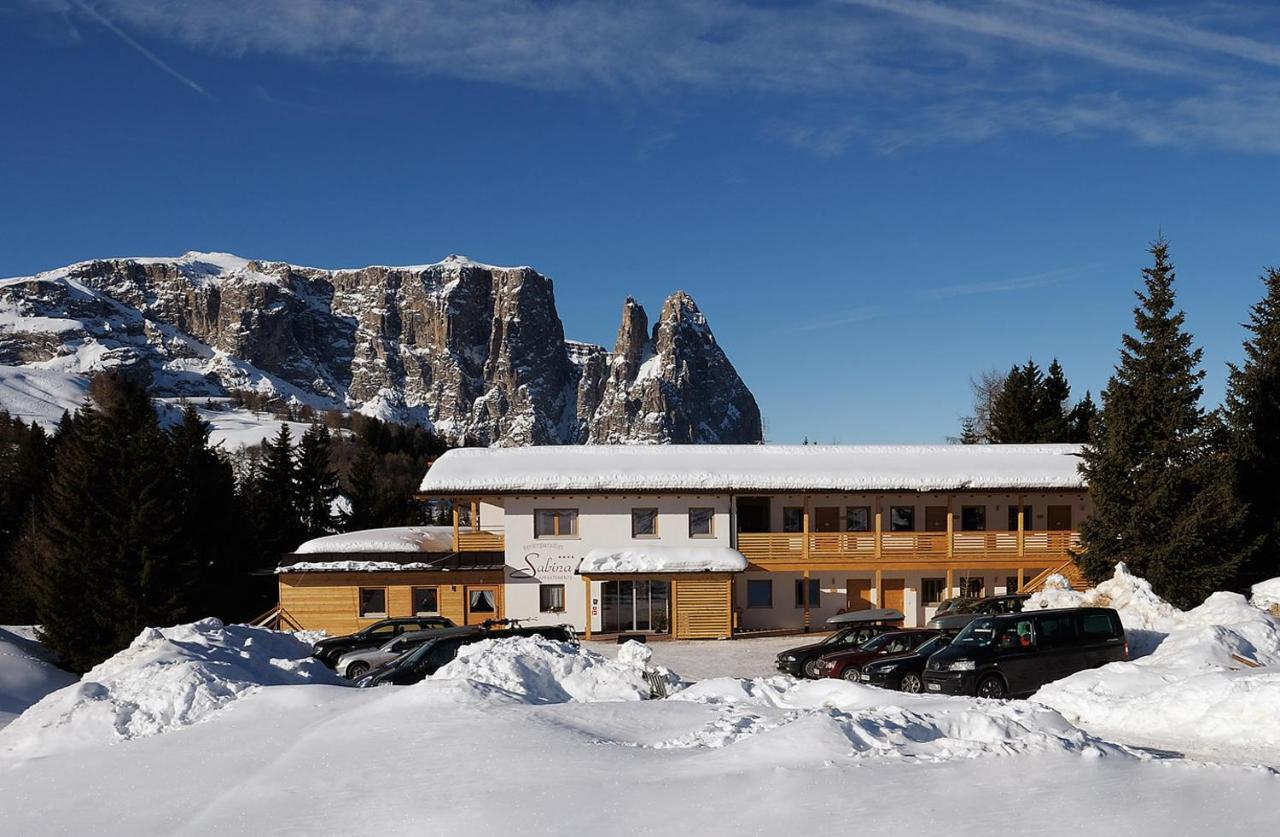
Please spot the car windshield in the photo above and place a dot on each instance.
(932, 645)
(841, 637)
(979, 632)
(878, 643)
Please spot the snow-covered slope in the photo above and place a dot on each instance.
(476, 350)
(26, 673)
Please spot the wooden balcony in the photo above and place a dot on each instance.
(771, 549)
(478, 540)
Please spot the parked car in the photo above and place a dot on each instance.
(357, 663)
(904, 672)
(1015, 654)
(430, 656)
(848, 664)
(966, 610)
(803, 660)
(330, 649)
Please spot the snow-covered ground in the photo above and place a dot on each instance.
(26, 673)
(205, 729)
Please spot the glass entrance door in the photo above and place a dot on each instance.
(635, 606)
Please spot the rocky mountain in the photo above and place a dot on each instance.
(476, 351)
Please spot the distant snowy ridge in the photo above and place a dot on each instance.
(474, 350)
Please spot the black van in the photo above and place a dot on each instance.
(1014, 654)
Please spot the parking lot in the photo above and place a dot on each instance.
(700, 659)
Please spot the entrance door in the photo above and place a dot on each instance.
(1059, 518)
(753, 514)
(935, 518)
(636, 606)
(893, 593)
(826, 519)
(857, 594)
(482, 604)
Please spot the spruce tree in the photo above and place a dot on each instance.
(274, 500)
(25, 452)
(1252, 414)
(1152, 468)
(1015, 413)
(317, 482)
(1053, 421)
(362, 491)
(1080, 420)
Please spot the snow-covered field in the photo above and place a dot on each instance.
(206, 729)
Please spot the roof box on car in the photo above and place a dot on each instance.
(881, 614)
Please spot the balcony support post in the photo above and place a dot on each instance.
(951, 526)
(1022, 527)
(804, 555)
(950, 584)
(1021, 577)
(586, 597)
(879, 525)
(879, 589)
(475, 516)
(454, 504)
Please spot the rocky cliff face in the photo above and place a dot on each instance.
(474, 350)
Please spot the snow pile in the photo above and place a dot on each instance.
(167, 679)
(539, 670)
(1209, 682)
(26, 673)
(352, 566)
(664, 559)
(1266, 595)
(393, 539)
(1146, 616)
(872, 722)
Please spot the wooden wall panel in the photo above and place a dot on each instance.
(331, 601)
(703, 608)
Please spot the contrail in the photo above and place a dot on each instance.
(146, 53)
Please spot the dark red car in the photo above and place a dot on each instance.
(848, 664)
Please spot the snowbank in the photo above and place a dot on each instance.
(664, 559)
(1205, 680)
(1266, 595)
(167, 679)
(26, 673)
(352, 566)
(539, 670)
(879, 723)
(393, 539)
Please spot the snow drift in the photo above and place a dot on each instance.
(538, 670)
(1205, 680)
(166, 679)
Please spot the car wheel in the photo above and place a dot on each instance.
(357, 670)
(853, 674)
(991, 686)
(810, 669)
(911, 682)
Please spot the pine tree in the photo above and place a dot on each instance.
(1152, 468)
(1015, 413)
(317, 481)
(273, 494)
(1053, 420)
(969, 434)
(1080, 420)
(25, 452)
(1252, 414)
(362, 491)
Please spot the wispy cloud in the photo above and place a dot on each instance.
(835, 319)
(999, 286)
(888, 74)
(137, 47)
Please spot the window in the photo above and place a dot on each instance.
(373, 602)
(973, 518)
(931, 590)
(551, 598)
(815, 592)
(644, 523)
(760, 592)
(702, 523)
(1020, 634)
(793, 519)
(902, 518)
(857, 519)
(1056, 631)
(426, 600)
(555, 523)
(1013, 518)
(1096, 626)
(972, 587)
(1011, 584)
(481, 601)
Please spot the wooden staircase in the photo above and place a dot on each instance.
(1067, 569)
(277, 619)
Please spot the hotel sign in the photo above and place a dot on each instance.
(544, 562)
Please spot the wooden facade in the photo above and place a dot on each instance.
(701, 603)
(330, 601)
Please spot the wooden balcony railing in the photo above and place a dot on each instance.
(766, 547)
(473, 540)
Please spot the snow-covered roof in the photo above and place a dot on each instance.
(394, 539)
(739, 468)
(663, 559)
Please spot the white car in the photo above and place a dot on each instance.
(354, 664)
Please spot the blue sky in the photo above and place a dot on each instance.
(871, 200)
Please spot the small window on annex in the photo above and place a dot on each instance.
(760, 592)
(426, 601)
(551, 598)
(702, 523)
(902, 518)
(1013, 518)
(792, 519)
(857, 519)
(644, 523)
(815, 592)
(373, 602)
(973, 518)
(555, 523)
(932, 590)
